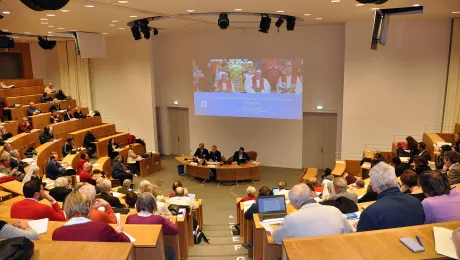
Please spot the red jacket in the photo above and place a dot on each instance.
(24, 128)
(91, 231)
(80, 165)
(248, 198)
(85, 176)
(100, 216)
(31, 209)
(173, 194)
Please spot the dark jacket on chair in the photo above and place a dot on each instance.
(112, 200)
(59, 193)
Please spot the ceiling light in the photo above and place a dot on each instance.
(5, 30)
(190, 10)
(133, 16)
(456, 12)
(416, 5)
(359, 4)
(111, 24)
(26, 32)
(280, 11)
(43, 19)
(122, 2)
(223, 21)
(115, 21)
(238, 9)
(50, 32)
(319, 18)
(50, 26)
(307, 14)
(375, 8)
(335, 1)
(73, 30)
(60, 28)
(104, 33)
(6, 12)
(121, 28)
(50, 15)
(89, 6)
(50, 35)
(44, 22)
(65, 11)
(15, 37)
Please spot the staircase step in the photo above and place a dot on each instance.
(216, 227)
(217, 250)
(228, 240)
(218, 233)
(241, 257)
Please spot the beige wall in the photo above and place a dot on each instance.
(121, 87)
(397, 90)
(278, 142)
(45, 64)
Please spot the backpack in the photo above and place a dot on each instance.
(344, 204)
(18, 248)
(198, 234)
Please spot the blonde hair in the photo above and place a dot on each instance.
(77, 204)
(251, 191)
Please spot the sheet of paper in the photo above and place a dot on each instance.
(271, 224)
(116, 194)
(118, 216)
(96, 164)
(360, 196)
(39, 225)
(132, 239)
(51, 183)
(191, 196)
(443, 243)
(211, 166)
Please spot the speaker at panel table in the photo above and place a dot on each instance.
(255, 88)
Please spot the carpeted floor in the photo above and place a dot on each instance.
(218, 206)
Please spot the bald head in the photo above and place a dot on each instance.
(299, 194)
(179, 192)
(89, 191)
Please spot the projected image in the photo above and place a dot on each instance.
(265, 88)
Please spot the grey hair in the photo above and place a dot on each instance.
(105, 186)
(127, 183)
(99, 180)
(282, 185)
(251, 191)
(340, 183)
(61, 182)
(383, 177)
(143, 183)
(14, 152)
(299, 194)
(89, 190)
(5, 157)
(86, 166)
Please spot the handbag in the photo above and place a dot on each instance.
(18, 248)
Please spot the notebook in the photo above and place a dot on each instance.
(39, 225)
(443, 243)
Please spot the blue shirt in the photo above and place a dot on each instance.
(53, 170)
(31, 111)
(391, 210)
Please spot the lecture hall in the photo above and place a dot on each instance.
(247, 130)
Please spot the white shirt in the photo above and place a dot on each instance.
(284, 192)
(76, 221)
(182, 201)
(281, 85)
(249, 89)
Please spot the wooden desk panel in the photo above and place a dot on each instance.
(73, 159)
(12, 186)
(102, 143)
(150, 165)
(63, 129)
(11, 127)
(40, 121)
(308, 173)
(104, 164)
(339, 168)
(98, 131)
(183, 238)
(23, 82)
(430, 139)
(23, 141)
(22, 91)
(44, 152)
(20, 112)
(25, 100)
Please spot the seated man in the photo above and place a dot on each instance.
(67, 147)
(201, 152)
(107, 216)
(393, 208)
(311, 218)
(452, 167)
(180, 200)
(68, 115)
(214, 155)
(175, 185)
(85, 175)
(50, 89)
(241, 156)
(60, 95)
(53, 168)
(264, 191)
(56, 106)
(46, 135)
(24, 126)
(105, 187)
(33, 110)
(250, 195)
(31, 208)
(78, 114)
(340, 187)
(88, 143)
(55, 118)
(45, 98)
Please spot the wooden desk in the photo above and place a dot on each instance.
(23, 82)
(13, 186)
(23, 141)
(183, 238)
(102, 143)
(431, 139)
(73, 160)
(22, 91)
(4, 195)
(11, 127)
(380, 244)
(123, 151)
(44, 152)
(104, 164)
(339, 168)
(25, 100)
(63, 129)
(309, 173)
(20, 112)
(150, 165)
(247, 171)
(98, 131)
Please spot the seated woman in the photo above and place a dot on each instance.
(131, 199)
(111, 147)
(18, 229)
(88, 143)
(60, 95)
(61, 189)
(250, 195)
(125, 187)
(402, 150)
(133, 160)
(412, 145)
(56, 106)
(6, 169)
(78, 114)
(85, 175)
(420, 165)
(68, 115)
(79, 226)
(441, 204)
(50, 89)
(264, 191)
(119, 170)
(161, 208)
(410, 185)
(5, 134)
(45, 98)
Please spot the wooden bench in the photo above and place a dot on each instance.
(23, 141)
(102, 143)
(22, 91)
(18, 113)
(42, 120)
(63, 129)
(98, 131)
(22, 82)
(25, 100)
(73, 160)
(105, 164)
(11, 127)
(308, 173)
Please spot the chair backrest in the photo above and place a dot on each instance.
(252, 155)
(229, 160)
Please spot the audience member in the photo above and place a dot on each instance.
(55, 118)
(250, 195)
(7, 148)
(410, 185)
(133, 160)
(282, 189)
(105, 187)
(80, 227)
(360, 184)
(181, 200)
(45, 98)
(126, 187)
(24, 126)
(264, 191)
(61, 189)
(60, 95)
(215, 155)
(53, 168)
(18, 229)
(143, 183)
(119, 170)
(67, 147)
(201, 152)
(452, 167)
(440, 158)
(327, 176)
(420, 165)
(349, 178)
(399, 166)
(311, 218)
(111, 147)
(78, 114)
(131, 199)
(5, 134)
(412, 145)
(46, 135)
(50, 89)
(6, 169)
(162, 208)
(56, 106)
(107, 215)
(423, 152)
(84, 158)
(174, 186)
(88, 143)
(85, 175)
(442, 202)
(16, 163)
(340, 186)
(241, 156)
(393, 208)
(68, 115)
(457, 142)
(32, 174)
(99, 181)
(3, 105)
(33, 110)
(31, 208)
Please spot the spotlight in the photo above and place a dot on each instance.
(144, 27)
(223, 21)
(290, 23)
(155, 31)
(265, 22)
(136, 32)
(377, 2)
(279, 22)
(45, 44)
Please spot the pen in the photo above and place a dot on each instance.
(419, 241)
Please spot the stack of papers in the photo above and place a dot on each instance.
(353, 219)
(116, 194)
(256, 162)
(39, 225)
(443, 243)
(271, 224)
(194, 163)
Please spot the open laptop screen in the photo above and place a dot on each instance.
(271, 204)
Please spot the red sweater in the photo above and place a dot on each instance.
(31, 209)
(23, 128)
(173, 194)
(80, 165)
(168, 227)
(248, 198)
(91, 231)
(85, 176)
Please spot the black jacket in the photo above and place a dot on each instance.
(45, 137)
(457, 147)
(68, 116)
(236, 156)
(427, 155)
(53, 170)
(422, 169)
(59, 193)
(78, 115)
(111, 153)
(7, 136)
(61, 96)
(392, 209)
(216, 157)
(66, 149)
(401, 168)
(201, 154)
(89, 138)
(113, 201)
(251, 211)
(370, 195)
(55, 107)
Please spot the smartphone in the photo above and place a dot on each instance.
(412, 245)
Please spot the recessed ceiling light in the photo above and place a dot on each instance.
(89, 6)
(104, 33)
(335, 1)
(50, 15)
(133, 16)
(238, 9)
(307, 14)
(280, 11)
(359, 4)
(115, 21)
(416, 5)
(319, 18)
(375, 8)
(43, 19)
(26, 32)
(44, 22)
(121, 28)
(5, 30)
(15, 37)
(60, 28)
(50, 26)
(111, 24)
(190, 10)
(6, 12)
(122, 2)
(456, 12)
(65, 11)
(73, 30)
(50, 32)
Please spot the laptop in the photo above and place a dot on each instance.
(271, 207)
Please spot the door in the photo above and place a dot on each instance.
(179, 130)
(319, 140)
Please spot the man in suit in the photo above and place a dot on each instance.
(241, 156)
(201, 152)
(105, 187)
(311, 218)
(214, 155)
(53, 168)
(452, 167)
(33, 110)
(67, 147)
(423, 151)
(399, 166)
